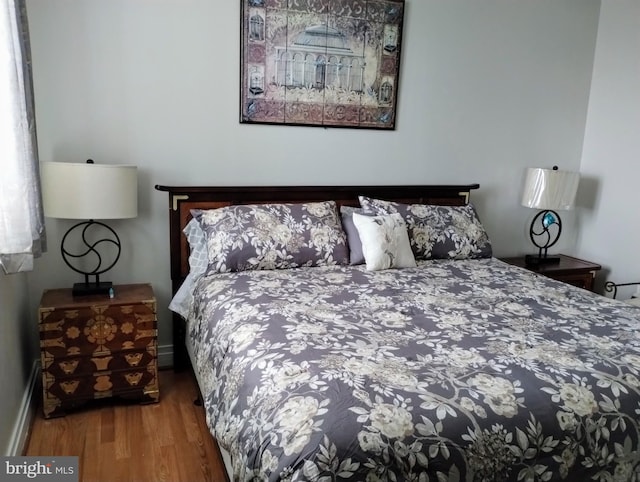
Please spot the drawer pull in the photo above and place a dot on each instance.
(68, 366)
(133, 359)
(133, 378)
(100, 330)
(69, 386)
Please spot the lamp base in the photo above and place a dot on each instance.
(534, 260)
(86, 289)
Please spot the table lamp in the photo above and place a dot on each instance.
(548, 190)
(89, 191)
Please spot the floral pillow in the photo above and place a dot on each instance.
(273, 236)
(385, 242)
(438, 232)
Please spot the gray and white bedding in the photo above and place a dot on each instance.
(455, 370)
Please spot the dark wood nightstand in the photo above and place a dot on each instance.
(576, 272)
(96, 347)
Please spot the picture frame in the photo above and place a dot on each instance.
(325, 63)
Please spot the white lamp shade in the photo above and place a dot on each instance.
(550, 189)
(89, 191)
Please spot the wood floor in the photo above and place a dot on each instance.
(119, 441)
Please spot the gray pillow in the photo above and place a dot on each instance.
(273, 236)
(438, 232)
(356, 256)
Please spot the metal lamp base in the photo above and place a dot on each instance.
(542, 235)
(86, 289)
(86, 231)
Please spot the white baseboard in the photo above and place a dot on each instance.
(18, 440)
(165, 356)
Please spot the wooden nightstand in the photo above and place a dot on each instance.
(576, 272)
(96, 347)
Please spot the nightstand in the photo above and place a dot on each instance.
(96, 347)
(574, 271)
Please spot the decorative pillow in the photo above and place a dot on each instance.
(385, 242)
(198, 262)
(353, 238)
(450, 232)
(198, 256)
(273, 236)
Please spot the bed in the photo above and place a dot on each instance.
(457, 367)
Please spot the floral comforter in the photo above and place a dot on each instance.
(452, 371)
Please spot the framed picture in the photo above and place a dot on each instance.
(328, 63)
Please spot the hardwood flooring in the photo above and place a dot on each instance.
(121, 441)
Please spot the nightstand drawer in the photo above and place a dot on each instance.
(86, 365)
(69, 392)
(97, 330)
(581, 280)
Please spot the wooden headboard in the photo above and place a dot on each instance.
(183, 199)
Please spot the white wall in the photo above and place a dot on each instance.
(610, 223)
(18, 332)
(486, 89)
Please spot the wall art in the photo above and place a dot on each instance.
(328, 63)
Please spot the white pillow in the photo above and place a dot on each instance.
(198, 254)
(198, 262)
(385, 241)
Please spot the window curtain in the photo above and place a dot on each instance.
(22, 232)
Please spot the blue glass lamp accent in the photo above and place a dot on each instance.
(548, 219)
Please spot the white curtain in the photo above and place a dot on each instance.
(22, 233)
